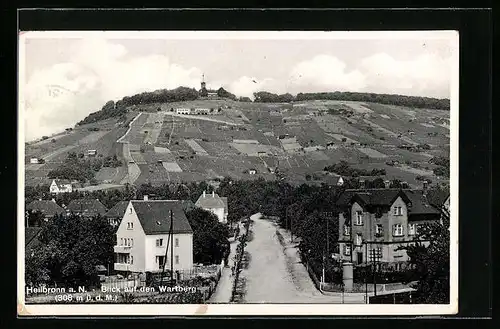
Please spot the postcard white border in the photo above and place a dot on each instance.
(246, 309)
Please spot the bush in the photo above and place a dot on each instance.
(45, 137)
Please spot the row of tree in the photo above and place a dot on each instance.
(342, 168)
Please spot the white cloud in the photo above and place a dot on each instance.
(97, 72)
(426, 75)
(245, 86)
(325, 73)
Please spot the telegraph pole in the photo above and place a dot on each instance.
(366, 272)
(172, 247)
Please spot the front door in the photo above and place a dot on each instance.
(360, 257)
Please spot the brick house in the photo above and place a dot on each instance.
(378, 221)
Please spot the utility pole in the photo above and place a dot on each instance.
(366, 272)
(172, 247)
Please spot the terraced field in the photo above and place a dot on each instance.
(197, 147)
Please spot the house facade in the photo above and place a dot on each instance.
(375, 223)
(115, 214)
(215, 204)
(183, 111)
(143, 243)
(61, 186)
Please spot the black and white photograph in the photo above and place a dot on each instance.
(238, 172)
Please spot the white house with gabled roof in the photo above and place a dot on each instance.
(142, 237)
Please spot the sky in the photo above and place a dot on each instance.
(66, 76)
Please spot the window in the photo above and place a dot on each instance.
(398, 211)
(160, 260)
(359, 218)
(177, 259)
(347, 250)
(159, 242)
(131, 242)
(130, 226)
(121, 241)
(347, 230)
(359, 239)
(131, 259)
(397, 230)
(412, 229)
(130, 210)
(176, 242)
(375, 254)
(379, 230)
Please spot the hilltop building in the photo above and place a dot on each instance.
(143, 234)
(378, 221)
(206, 93)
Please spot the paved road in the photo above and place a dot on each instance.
(275, 276)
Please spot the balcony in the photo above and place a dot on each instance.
(122, 249)
(121, 267)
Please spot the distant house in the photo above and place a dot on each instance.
(201, 111)
(141, 238)
(48, 208)
(384, 219)
(183, 111)
(34, 160)
(115, 214)
(86, 208)
(252, 171)
(31, 241)
(91, 153)
(215, 204)
(61, 186)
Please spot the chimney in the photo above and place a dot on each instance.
(145, 197)
(204, 193)
(404, 185)
(213, 194)
(425, 185)
(53, 200)
(387, 183)
(40, 199)
(362, 184)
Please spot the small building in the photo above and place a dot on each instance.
(215, 204)
(143, 233)
(252, 171)
(34, 160)
(183, 111)
(61, 186)
(115, 214)
(48, 208)
(201, 111)
(91, 153)
(86, 208)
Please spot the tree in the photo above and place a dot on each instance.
(71, 248)
(432, 262)
(210, 237)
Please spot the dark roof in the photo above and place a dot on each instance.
(30, 236)
(419, 203)
(118, 210)
(437, 197)
(47, 207)
(155, 216)
(87, 207)
(210, 201)
(385, 197)
(62, 181)
(369, 196)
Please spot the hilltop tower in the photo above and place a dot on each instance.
(203, 84)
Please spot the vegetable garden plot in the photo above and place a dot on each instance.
(196, 147)
(162, 150)
(138, 158)
(372, 153)
(172, 166)
(318, 156)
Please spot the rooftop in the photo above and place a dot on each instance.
(118, 210)
(211, 200)
(48, 208)
(87, 207)
(154, 216)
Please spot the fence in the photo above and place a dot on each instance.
(407, 297)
